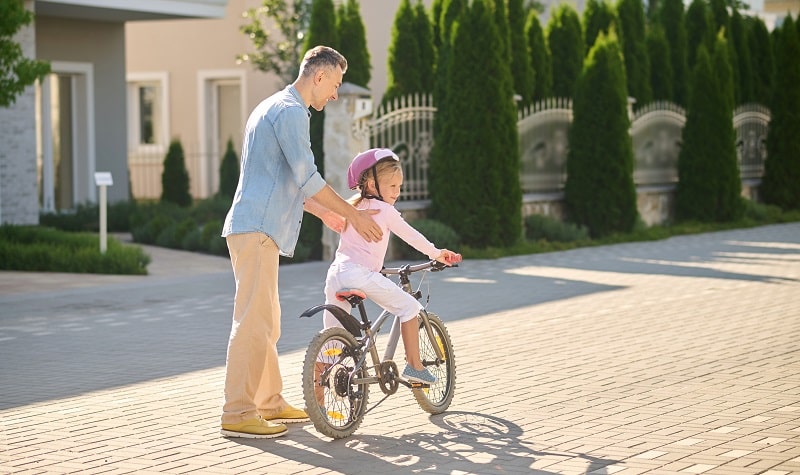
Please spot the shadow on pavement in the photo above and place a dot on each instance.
(467, 442)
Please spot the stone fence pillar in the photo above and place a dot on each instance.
(345, 135)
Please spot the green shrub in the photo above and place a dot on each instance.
(42, 249)
(228, 172)
(538, 227)
(760, 212)
(440, 234)
(173, 234)
(212, 239)
(86, 217)
(175, 177)
(210, 209)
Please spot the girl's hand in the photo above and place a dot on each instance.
(448, 257)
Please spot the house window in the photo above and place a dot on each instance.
(149, 104)
(147, 109)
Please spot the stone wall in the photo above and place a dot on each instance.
(19, 203)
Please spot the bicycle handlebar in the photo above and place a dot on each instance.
(410, 269)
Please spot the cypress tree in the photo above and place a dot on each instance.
(699, 30)
(540, 57)
(353, 43)
(501, 22)
(660, 64)
(521, 68)
(741, 46)
(436, 18)
(404, 56)
(451, 13)
(228, 172)
(599, 192)
(634, 49)
(175, 177)
(761, 58)
(476, 156)
(321, 31)
(709, 187)
(565, 38)
(671, 17)
(598, 17)
(780, 184)
(427, 53)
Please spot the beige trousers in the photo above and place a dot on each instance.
(253, 381)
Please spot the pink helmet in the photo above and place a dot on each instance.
(365, 161)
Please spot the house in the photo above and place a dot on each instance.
(184, 83)
(74, 123)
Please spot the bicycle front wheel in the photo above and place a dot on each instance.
(334, 403)
(436, 399)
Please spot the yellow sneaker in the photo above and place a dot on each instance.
(255, 428)
(288, 416)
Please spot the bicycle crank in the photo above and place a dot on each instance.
(388, 377)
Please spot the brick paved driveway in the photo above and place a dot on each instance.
(677, 356)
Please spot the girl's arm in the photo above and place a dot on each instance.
(417, 240)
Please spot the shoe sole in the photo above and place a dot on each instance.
(289, 421)
(412, 379)
(247, 435)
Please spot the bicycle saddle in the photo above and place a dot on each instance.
(346, 294)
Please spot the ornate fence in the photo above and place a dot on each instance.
(656, 137)
(751, 122)
(543, 144)
(406, 126)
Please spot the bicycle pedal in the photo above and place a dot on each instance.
(416, 385)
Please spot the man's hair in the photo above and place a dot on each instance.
(320, 57)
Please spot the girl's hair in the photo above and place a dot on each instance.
(383, 168)
(320, 57)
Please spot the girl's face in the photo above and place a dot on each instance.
(390, 185)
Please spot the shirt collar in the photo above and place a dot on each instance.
(299, 98)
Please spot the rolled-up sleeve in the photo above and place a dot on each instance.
(293, 137)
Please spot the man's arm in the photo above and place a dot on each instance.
(332, 220)
(361, 220)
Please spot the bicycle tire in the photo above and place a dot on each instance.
(437, 398)
(335, 407)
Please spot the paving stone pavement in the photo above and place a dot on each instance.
(679, 356)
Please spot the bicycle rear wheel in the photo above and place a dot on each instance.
(334, 404)
(436, 399)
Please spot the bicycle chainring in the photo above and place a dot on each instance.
(388, 380)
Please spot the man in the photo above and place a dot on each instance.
(278, 181)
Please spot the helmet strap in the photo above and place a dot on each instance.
(364, 193)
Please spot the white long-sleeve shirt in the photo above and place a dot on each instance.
(355, 249)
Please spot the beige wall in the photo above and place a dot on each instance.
(185, 51)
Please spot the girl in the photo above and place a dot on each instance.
(377, 175)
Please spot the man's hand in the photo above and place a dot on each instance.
(365, 225)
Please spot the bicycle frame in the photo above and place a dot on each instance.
(371, 330)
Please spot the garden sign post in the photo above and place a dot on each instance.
(103, 180)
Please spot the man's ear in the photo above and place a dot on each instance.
(318, 77)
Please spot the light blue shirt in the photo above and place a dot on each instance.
(277, 171)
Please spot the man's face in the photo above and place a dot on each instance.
(326, 86)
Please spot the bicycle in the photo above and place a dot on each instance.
(337, 375)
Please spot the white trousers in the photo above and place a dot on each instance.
(384, 292)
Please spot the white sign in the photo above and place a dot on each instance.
(103, 178)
